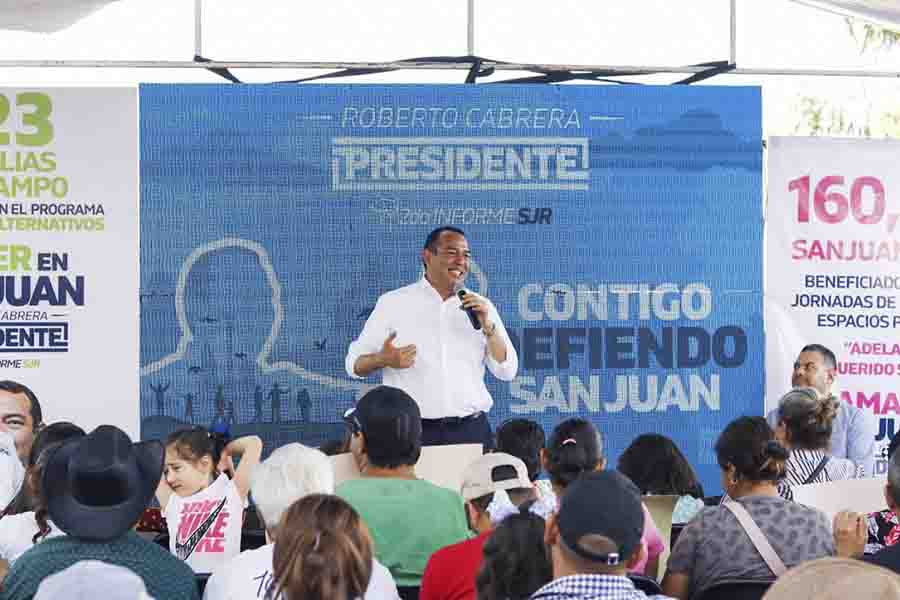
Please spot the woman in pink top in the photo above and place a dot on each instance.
(576, 447)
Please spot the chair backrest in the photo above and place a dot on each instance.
(200, 579)
(408, 592)
(151, 520)
(735, 589)
(162, 539)
(677, 528)
(252, 539)
(858, 495)
(645, 584)
(661, 508)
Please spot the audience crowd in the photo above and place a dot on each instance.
(539, 517)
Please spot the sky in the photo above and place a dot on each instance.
(771, 34)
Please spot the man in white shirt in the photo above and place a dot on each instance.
(20, 418)
(290, 473)
(422, 341)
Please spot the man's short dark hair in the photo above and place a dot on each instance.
(14, 387)
(432, 239)
(827, 355)
(524, 439)
(391, 424)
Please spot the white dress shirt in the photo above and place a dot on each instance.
(447, 378)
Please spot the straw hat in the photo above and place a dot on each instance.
(836, 579)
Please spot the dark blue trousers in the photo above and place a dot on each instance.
(473, 429)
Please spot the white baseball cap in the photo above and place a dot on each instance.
(484, 476)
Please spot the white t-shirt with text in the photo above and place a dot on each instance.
(205, 528)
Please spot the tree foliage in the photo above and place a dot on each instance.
(872, 37)
(818, 116)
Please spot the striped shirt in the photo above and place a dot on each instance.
(801, 464)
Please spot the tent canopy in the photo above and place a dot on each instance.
(46, 16)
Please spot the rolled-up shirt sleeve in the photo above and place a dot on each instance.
(506, 370)
(371, 339)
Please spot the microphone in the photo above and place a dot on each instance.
(473, 318)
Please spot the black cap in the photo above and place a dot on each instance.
(602, 503)
(391, 423)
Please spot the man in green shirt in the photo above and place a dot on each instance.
(97, 488)
(409, 518)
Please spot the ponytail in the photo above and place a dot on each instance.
(195, 443)
(34, 476)
(575, 447)
(774, 459)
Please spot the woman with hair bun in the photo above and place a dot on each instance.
(714, 546)
(804, 427)
(323, 552)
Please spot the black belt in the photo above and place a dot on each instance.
(453, 421)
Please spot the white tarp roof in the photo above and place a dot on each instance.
(882, 12)
(45, 16)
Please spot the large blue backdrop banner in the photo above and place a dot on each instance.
(618, 229)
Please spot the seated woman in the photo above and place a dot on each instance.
(576, 447)
(323, 551)
(714, 546)
(804, 427)
(656, 466)
(25, 521)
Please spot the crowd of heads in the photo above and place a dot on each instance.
(323, 548)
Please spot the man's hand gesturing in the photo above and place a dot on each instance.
(397, 358)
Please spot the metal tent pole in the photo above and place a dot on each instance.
(732, 56)
(470, 37)
(198, 27)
